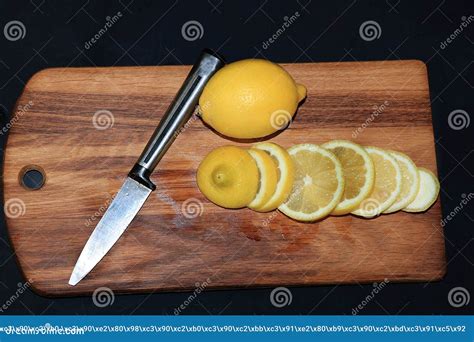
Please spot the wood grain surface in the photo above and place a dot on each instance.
(180, 239)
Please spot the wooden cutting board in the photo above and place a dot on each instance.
(180, 239)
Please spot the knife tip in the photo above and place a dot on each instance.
(74, 279)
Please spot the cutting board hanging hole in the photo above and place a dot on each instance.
(32, 177)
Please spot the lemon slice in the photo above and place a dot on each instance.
(286, 173)
(267, 169)
(387, 186)
(318, 185)
(410, 182)
(358, 171)
(427, 193)
(228, 176)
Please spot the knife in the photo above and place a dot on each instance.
(138, 186)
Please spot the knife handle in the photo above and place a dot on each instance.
(177, 114)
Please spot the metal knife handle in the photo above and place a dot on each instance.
(177, 114)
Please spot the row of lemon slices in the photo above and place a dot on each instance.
(308, 182)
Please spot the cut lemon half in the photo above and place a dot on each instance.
(228, 176)
(427, 192)
(358, 171)
(387, 185)
(267, 169)
(410, 182)
(286, 173)
(318, 185)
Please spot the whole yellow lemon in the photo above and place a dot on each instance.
(251, 98)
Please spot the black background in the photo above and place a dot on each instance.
(149, 33)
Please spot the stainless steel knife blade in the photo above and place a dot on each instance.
(116, 219)
(138, 186)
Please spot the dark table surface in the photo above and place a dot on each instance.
(39, 34)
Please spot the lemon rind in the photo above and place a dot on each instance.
(432, 200)
(287, 172)
(267, 180)
(393, 196)
(348, 205)
(400, 204)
